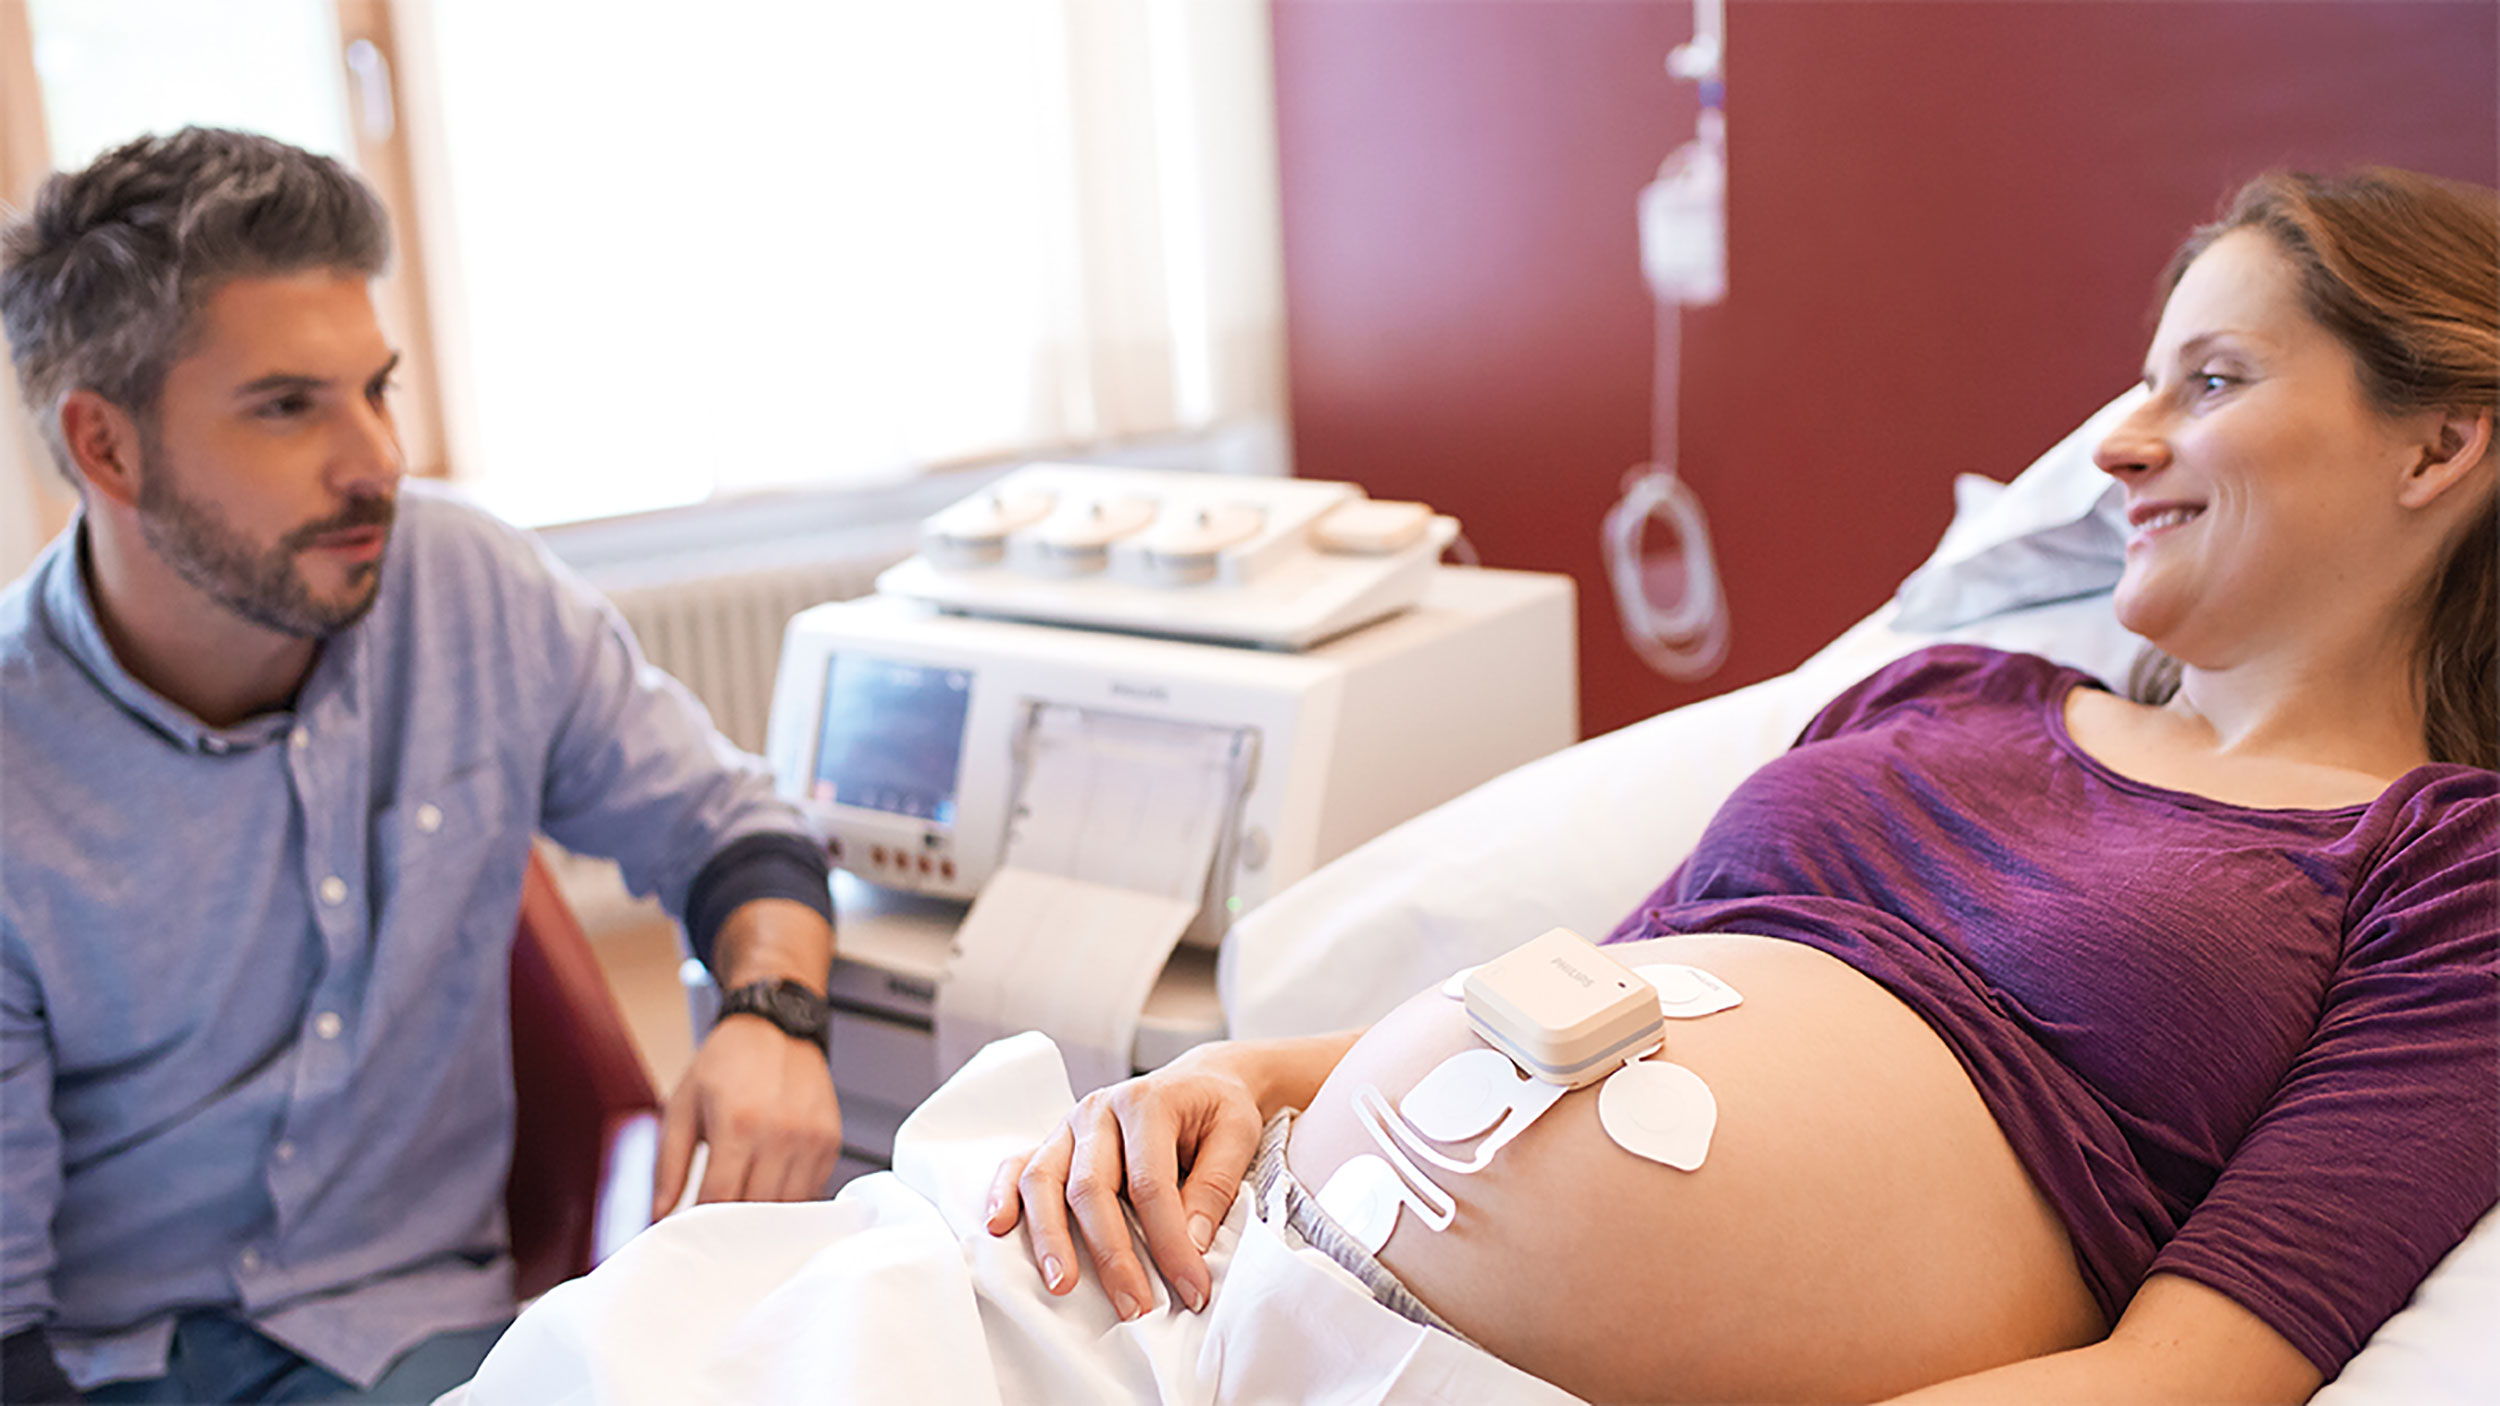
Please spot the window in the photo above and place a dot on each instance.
(663, 253)
(149, 65)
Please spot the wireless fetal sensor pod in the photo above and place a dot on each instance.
(1565, 1011)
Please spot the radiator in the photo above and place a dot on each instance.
(720, 635)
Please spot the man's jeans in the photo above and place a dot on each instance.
(220, 1359)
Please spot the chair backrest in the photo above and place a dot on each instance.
(583, 1101)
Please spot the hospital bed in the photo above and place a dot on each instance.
(892, 1292)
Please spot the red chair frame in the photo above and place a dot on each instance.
(587, 1118)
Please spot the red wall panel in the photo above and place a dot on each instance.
(1945, 219)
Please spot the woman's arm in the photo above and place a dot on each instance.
(2178, 1341)
(1198, 1117)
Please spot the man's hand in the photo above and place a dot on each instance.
(764, 1102)
(761, 1099)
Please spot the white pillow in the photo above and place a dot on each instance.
(2441, 1350)
(2057, 531)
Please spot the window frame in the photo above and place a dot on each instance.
(25, 159)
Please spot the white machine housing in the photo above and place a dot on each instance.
(1342, 741)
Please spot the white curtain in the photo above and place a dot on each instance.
(757, 243)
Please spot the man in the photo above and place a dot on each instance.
(274, 738)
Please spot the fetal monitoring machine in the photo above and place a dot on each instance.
(1101, 715)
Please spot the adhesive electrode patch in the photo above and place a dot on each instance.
(1688, 993)
(1463, 1097)
(1456, 987)
(1364, 1195)
(1459, 1093)
(1661, 1111)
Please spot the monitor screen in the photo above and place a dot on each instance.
(893, 737)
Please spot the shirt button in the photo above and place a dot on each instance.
(300, 738)
(249, 1260)
(326, 1025)
(429, 817)
(285, 1151)
(215, 745)
(334, 890)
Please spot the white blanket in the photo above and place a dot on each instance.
(893, 1292)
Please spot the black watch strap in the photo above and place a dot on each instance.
(796, 1011)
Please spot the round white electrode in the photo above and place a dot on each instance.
(1456, 987)
(1464, 1096)
(1688, 993)
(1660, 1111)
(1363, 1196)
(1676, 984)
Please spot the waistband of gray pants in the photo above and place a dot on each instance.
(1279, 1196)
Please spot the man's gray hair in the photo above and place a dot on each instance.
(101, 282)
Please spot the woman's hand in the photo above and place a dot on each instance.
(1175, 1143)
(1197, 1118)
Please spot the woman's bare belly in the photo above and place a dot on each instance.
(1860, 1226)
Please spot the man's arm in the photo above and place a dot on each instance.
(635, 771)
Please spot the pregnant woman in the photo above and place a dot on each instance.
(2137, 1047)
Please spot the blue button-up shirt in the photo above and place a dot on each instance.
(254, 1028)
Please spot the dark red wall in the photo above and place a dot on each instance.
(1945, 220)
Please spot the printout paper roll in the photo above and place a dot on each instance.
(1117, 820)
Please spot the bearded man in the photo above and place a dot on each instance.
(275, 736)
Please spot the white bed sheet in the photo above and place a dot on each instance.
(894, 1293)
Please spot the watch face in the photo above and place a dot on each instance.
(798, 1008)
(797, 1011)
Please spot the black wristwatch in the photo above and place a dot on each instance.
(800, 1013)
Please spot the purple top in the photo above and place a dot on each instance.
(2257, 1048)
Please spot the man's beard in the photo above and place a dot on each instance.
(264, 587)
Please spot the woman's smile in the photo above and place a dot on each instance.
(2146, 521)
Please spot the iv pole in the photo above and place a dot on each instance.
(1683, 220)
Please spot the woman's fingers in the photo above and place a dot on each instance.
(1043, 1189)
(1119, 1150)
(1151, 1162)
(1179, 1218)
(1005, 1208)
(1223, 1159)
(1097, 1177)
